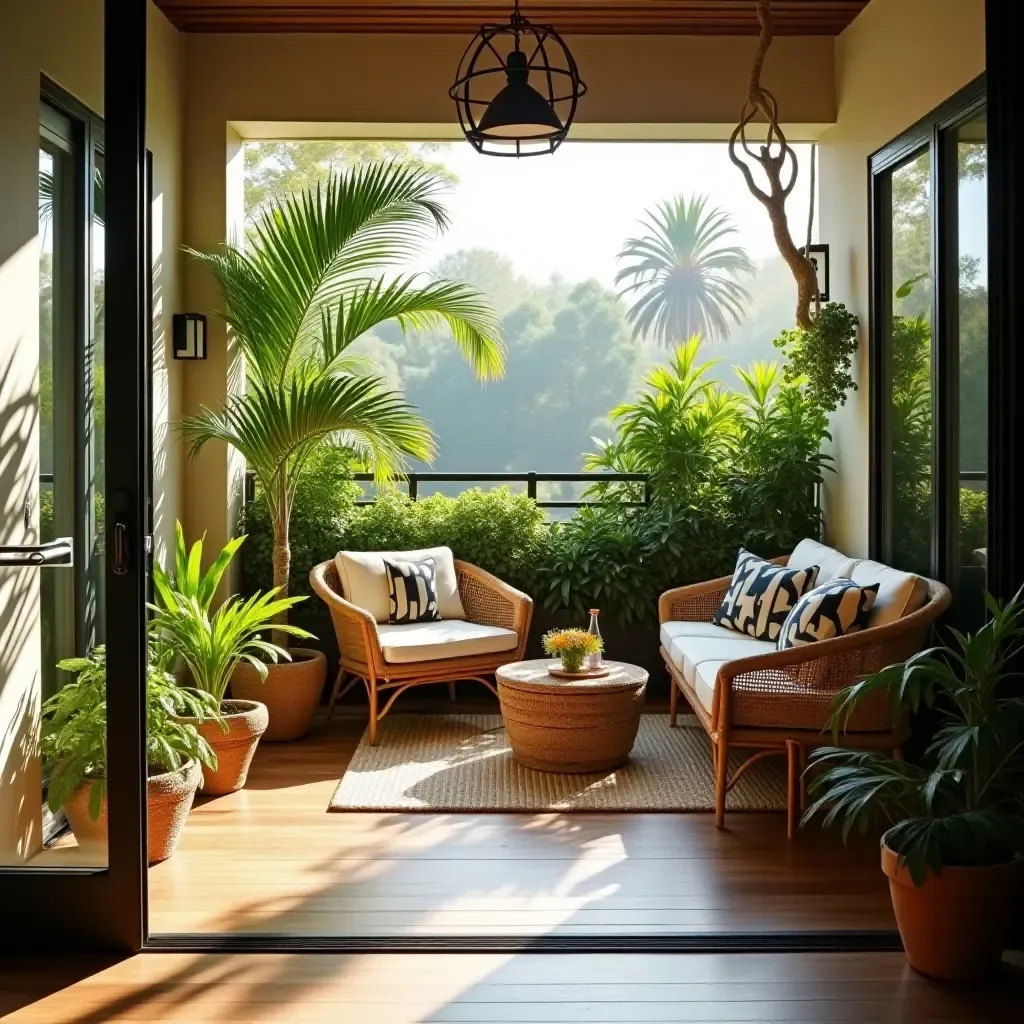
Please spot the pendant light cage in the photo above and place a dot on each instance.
(517, 68)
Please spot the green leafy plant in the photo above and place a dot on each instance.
(821, 357)
(317, 273)
(211, 645)
(74, 728)
(778, 461)
(622, 558)
(497, 530)
(964, 807)
(571, 646)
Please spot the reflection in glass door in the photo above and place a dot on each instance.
(909, 288)
(967, 146)
(70, 412)
(930, 433)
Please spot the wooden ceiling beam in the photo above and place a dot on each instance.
(572, 17)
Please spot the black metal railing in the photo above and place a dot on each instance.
(414, 480)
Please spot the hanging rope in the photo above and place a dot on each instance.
(777, 160)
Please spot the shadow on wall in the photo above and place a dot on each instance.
(20, 779)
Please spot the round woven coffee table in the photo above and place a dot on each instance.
(571, 725)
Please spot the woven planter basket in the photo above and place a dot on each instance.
(169, 799)
(291, 691)
(247, 721)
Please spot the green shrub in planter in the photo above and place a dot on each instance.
(325, 502)
(496, 530)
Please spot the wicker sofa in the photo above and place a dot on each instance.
(389, 659)
(746, 694)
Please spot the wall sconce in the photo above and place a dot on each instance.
(819, 260)
(189, 335)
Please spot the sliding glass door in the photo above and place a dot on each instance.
(76, 489)
(929, 355)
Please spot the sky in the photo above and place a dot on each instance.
(570, 212)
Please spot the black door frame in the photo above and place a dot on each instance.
(105, 908)
(931, 133)
(1004, 27)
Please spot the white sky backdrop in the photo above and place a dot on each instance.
(571, 212)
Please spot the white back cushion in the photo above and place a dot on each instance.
(899, 593)
(364, 580)
(831, 564)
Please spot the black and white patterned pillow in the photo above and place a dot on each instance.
(761, 595)
(412, 588)
(832, 609)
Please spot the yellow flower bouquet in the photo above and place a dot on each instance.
(572, 646)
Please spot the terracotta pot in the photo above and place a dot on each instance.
(957, 924)
(291, 691)
(169, 799)
(247, 722)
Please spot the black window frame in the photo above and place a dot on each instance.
(933, 133)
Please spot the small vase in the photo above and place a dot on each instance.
(572, 665)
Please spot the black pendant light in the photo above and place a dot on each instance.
(516, 89)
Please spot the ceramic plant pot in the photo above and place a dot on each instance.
(291, 691)
(169, 799)
(246, 722)
(957, 924)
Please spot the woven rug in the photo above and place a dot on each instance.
(463, 763)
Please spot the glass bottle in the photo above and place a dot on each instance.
(594, 660)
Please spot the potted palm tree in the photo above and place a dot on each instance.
(74, 746)
(319, 271)
(954, 837)
(212, 645)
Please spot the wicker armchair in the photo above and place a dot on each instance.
(486, 600)
(779, 702)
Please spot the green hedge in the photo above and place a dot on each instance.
(613, 557)
(497, 530)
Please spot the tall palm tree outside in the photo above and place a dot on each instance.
(320, 269)
(683, 279)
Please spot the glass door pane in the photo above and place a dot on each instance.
(971, 325)
(94, 421)
(70, 494)
(909, 348)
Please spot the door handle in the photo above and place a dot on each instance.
(121, 550)
(59, 552)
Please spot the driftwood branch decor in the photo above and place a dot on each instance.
(778, 161)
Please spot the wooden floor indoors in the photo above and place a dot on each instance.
(271, 859)
(866, 988)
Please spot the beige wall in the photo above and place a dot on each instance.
(62, 39)
(898, 60)
(235, 80)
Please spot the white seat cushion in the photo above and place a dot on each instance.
(364, 580)
(688, 652)
(704, 683)
(831, 564)
(670, 630)
(899, 593)
(452, 638)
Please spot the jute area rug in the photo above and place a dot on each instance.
(464, 763)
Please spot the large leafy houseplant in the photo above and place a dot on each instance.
(318, 271)
(955, 823)
(74, 737)
(212, 644)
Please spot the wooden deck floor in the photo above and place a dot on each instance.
(271, 859)
(401, 989)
